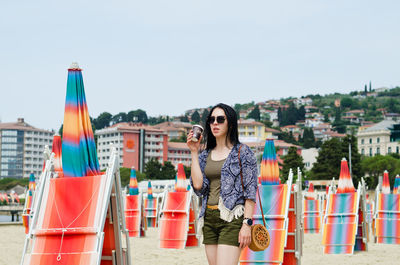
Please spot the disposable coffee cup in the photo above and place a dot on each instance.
(197, 131)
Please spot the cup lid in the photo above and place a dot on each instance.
(198, 125)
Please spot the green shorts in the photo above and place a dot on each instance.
(219, 232)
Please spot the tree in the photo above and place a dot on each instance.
(292, 161)
(375, 165)
(120, 117)
(182, 138)
(60, 131)
(328, 161)
(370, 86)
(204, 116)
(346, 102)
(125, 174)
(308, 138)
(196, 117)
(301, 114)
(168, 171)
(137, 116)
(184, 118)
(103, 120)
(330, 156)
(365, 89)
(152, 169)
(254, 114)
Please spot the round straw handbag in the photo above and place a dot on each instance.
(260, 238)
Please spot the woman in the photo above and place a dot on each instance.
(215, 176)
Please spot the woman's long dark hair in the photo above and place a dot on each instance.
(232, 134)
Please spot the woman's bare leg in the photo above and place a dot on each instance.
(228, 255)
(211, 253)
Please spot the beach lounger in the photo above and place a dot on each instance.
(387, 219)
(178, 220)
(151, 211)
(135, 223)
(340, 223)
(275, 202)
(312, 215)
(78, 221)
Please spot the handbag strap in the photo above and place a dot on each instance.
(241, 178)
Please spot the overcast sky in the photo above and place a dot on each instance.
(169, 56)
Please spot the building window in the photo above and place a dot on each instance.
(362, 141)
(378, 140)
(397, 149)
(378, 150)
(362, 151)
(370, 140)
(389, 150)
(370, 152)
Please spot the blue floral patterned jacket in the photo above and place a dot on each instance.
(232, 196)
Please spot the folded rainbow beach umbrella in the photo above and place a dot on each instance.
(149, 191)
(311, 188)
(386, 183)
(32, 183)
(269, 165)
(133, 185)
(79, 156)
(56, 149)
(181, 184)
(345, 182)
(396, 184)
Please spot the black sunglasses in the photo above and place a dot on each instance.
(220, 119)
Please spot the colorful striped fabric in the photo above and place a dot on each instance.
(387, 223)
(56, 149)
(149, 190)
(269, 165)
(174, 223)
(133, 215)
(32, 182)
(311, 188)
(396, 186)
(133, 185)
(181, 184)
(345, 181)
(79, 156)
(312, 216)
(68, 221)
(340, 223)
(275, 203)
(386, 183)
(151, 211)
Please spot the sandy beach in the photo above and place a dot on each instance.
(145, 251)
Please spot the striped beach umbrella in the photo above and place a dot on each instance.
(32, 182)
(396, 186)
(311, 188)
(181, 184)
(56, 149)
(79, 156)
(149, 191)
(386, 183)
(5, 196)
(133, 185)
(345, 182)
(269, 165)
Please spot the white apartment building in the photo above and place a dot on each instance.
(135, 142)
(22, 147)
(381, 138)
(179, 153)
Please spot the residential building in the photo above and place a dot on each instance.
(22, 147)
(311, 109)
(392, 116)
(309, 157)
(251, 130)
(381, 138)
(179, 153)
(302, 101)
(136, 144)
(356, 112)
(175, 129)
(271, 133)
(352, 119)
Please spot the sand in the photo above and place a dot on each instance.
(146, 251)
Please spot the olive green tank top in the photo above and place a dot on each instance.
(213, 173)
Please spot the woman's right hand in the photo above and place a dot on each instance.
(193, 146)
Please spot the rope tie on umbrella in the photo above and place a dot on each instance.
(64, 229)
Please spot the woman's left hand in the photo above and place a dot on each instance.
(245, 236)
